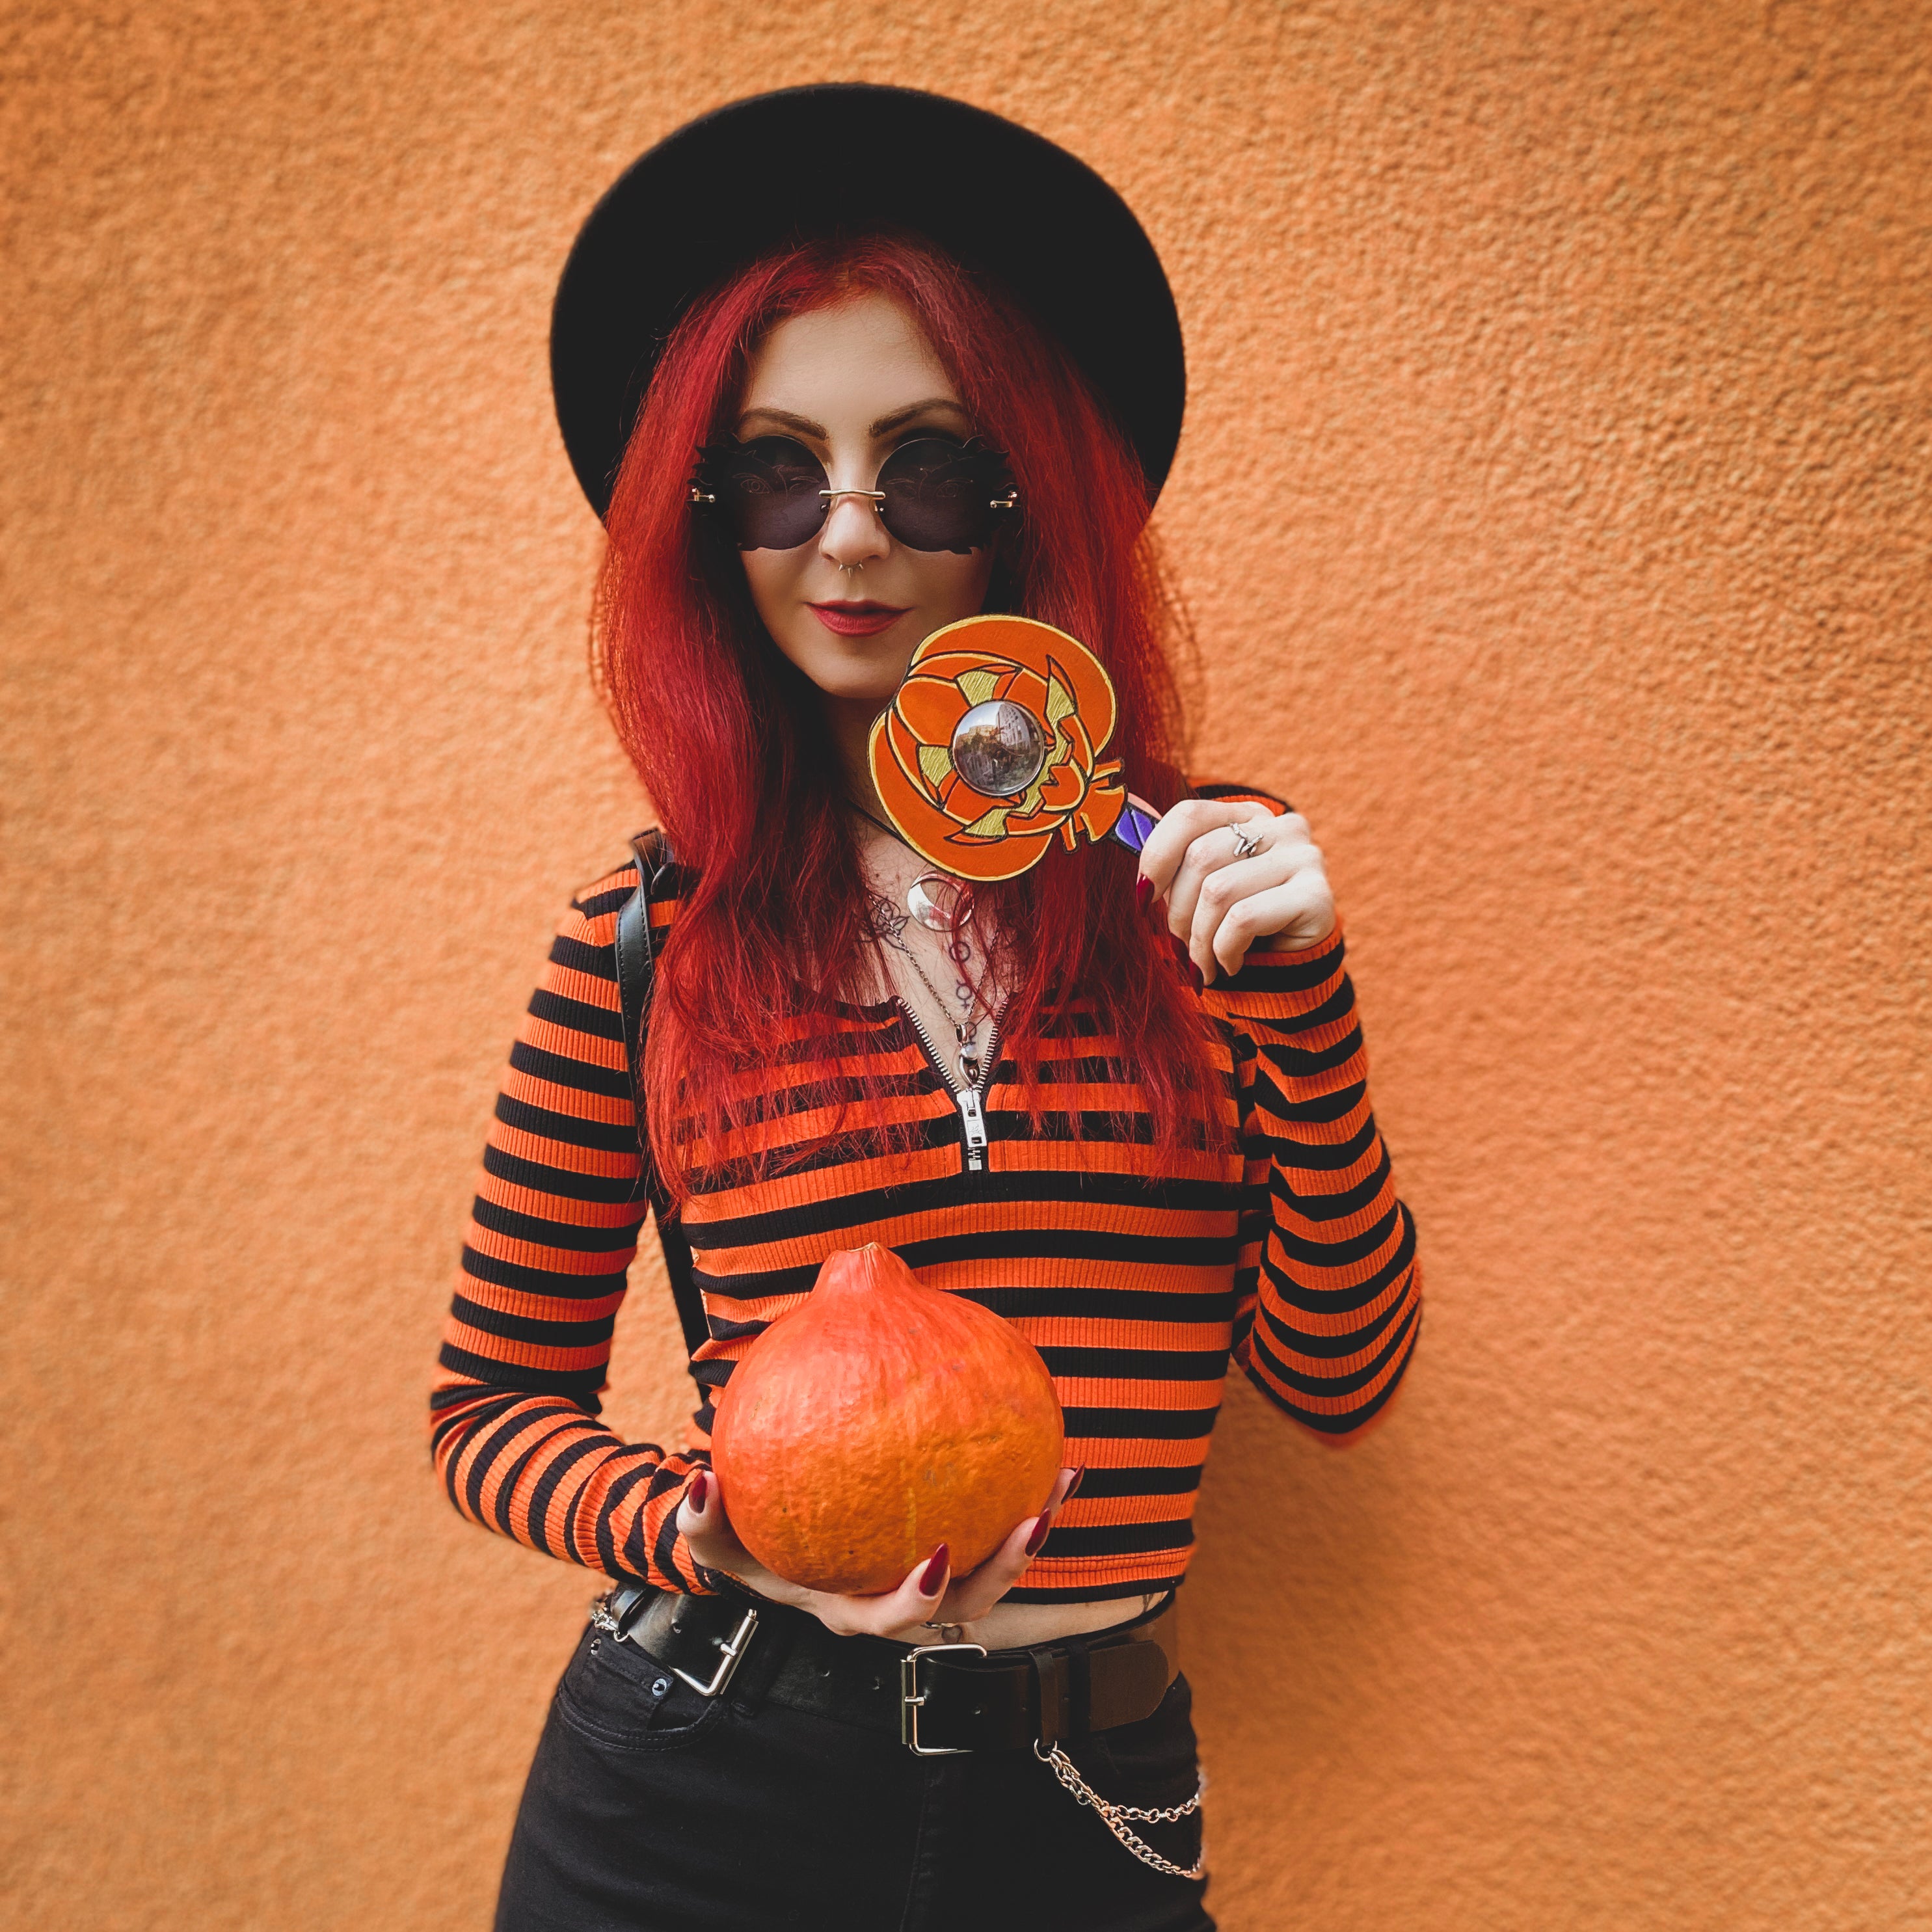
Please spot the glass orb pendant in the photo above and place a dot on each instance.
(939, 901)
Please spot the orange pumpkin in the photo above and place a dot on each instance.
(878, 1420)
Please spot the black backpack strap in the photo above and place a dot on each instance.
(636, 968)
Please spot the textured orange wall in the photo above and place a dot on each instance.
(1552, 505)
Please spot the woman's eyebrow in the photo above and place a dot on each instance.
(804, 425)
(886, 424)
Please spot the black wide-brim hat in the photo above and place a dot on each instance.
(806, 161)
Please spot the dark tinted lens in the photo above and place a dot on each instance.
(938, 494)
(768, 489)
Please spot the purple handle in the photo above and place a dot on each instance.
(1135, 824)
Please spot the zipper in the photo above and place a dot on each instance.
(971, 1097)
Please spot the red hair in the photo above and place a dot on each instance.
(723, 730)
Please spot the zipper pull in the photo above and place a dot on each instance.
(974, 1120)
(968, 1039)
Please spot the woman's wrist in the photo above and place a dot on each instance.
(1295, 942)
(752, 1578)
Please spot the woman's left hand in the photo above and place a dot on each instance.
(1219, 903)
(930, 1596)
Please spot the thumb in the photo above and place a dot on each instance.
(705, 1526)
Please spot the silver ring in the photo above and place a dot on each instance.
(1246, 843)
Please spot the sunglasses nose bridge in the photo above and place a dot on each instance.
(858, 538)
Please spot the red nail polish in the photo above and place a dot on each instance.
(698, 1492)
(1143, 892)
(1073, 1487)
(1194, 978)
(1038, 1536)
(930, 1584)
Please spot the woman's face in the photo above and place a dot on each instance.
(849, 607)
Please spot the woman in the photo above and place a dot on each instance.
(847, 440)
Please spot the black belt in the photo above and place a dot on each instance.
(936, 1698)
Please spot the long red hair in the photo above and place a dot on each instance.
(725, 732)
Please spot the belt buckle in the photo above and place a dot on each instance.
(733, 1651)
(911, 1697)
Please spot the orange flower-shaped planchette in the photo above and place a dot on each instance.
(1062, 687)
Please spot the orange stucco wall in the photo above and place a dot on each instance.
(1552, 507)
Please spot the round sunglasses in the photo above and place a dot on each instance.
(931, 494)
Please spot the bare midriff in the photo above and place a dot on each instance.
(1022, 1626)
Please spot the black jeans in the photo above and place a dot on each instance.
(651, 1809)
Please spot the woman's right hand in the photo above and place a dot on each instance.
(931, 1594)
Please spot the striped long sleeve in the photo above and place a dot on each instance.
(1327, 1292)
(514, 1412)
(1136, 1281)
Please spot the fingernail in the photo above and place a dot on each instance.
(1194, 976)
(1143, 892)
(1038, 1536)
(935, 1571)
(697, 1492)
(1073, 1487)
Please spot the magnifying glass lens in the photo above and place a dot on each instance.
(999, 748)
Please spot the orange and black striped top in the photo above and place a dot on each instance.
(1289, 1254)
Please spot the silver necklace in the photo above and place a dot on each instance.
(965, 1029)
(888, 925)
(939, 901)
(944, 905)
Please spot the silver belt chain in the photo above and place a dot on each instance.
(1114, 1816)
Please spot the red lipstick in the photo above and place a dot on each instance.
(859, 620)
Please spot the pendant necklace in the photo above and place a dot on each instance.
(939, 901)
(944, 905)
